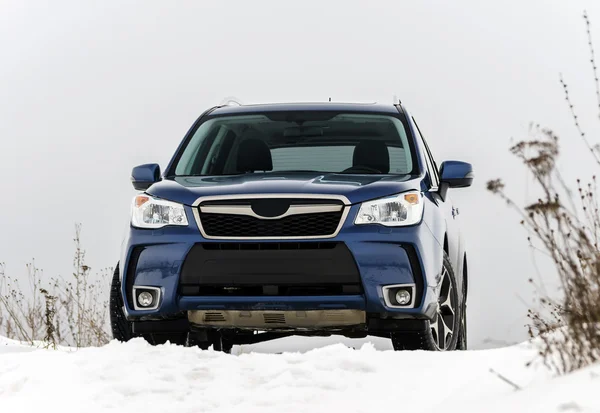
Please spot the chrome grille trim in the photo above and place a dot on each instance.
(296, 209)
(247, 210)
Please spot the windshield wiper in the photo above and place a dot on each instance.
(292, 171)
(205, 175)
(298, 171)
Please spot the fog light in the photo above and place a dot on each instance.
(145, 299)
(403, 297)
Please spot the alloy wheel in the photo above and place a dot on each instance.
(442, 325)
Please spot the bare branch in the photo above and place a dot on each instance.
(592, 57)
(576, 120)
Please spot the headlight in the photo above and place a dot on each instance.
(395, 211)
(149, 212)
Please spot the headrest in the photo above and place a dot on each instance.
(254, 155)
(373, 154)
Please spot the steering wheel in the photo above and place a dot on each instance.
(361, 168)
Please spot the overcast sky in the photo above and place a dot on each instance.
(89, 89)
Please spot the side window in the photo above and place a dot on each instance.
(431, 165)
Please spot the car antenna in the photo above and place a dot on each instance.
(396, 99)
(330, 99)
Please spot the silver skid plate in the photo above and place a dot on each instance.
(277, 319)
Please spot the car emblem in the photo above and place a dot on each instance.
(454, 212)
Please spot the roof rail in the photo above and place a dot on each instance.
(231, 100)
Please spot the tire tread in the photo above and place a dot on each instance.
(121, 328)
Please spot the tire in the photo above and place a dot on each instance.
(220, 342)
(450, 311)
(199, 339)
(462, 337)
(156, 339)
(122, 329)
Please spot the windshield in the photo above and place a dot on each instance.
(297, 142)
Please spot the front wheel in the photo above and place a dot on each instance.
(444, 330)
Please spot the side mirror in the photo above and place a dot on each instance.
(143, 176)
(455, 174)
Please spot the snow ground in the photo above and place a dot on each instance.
(311, 375)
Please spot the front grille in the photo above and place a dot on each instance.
(244, 226)
(269, 269)
(272, 290)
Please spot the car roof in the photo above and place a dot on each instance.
(317, 106)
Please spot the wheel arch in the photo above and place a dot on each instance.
(446, 248)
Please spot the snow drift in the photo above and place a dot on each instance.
(134, 376)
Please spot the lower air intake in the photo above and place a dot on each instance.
(215, 317)
(274, 318)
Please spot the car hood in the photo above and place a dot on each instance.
(357, 188)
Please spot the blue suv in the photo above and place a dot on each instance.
(295, 219)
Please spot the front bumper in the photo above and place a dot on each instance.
(382, 256)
